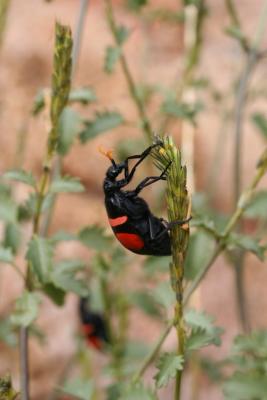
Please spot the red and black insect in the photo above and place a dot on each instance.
(94, 326)
(129, 215)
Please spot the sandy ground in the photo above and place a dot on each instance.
(154, 52)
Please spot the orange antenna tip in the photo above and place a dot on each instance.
(106, 153)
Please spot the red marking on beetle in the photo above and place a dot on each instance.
(130, 241)
(117, 221)
(88, 329)
(95, 342)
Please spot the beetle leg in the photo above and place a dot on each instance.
(151, 179)
(170, 225)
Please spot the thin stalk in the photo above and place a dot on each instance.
(243, 202)
(146, 125)
(242, 90)
(60, 94)
(177, 206)
(4, 4)
(77, 39)
(57, 166)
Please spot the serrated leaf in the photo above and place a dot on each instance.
(260, 122)
(6, 255)
(136, 5)
(197, 319)
(26, 309)
(201, 338)
(56, 294)
(62, 236)
(138, 392)
(8, 209)
(164, 295)
(79, 388)
(21, 176)
(7, 333)
(39, 255)
(246, 387)
(246, 243)
(66, 184)
(63, 277)
(69, 124)
(12, 236)
(84, 95)
(28, 209)
(95, 238)
(145, 302)
(102, 122)
(111, 57)
(181, 110)
(38, 103)
(168, 365)
(258, 205)
(122, 34)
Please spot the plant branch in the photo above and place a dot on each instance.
(60, 93)
(146, 125)
(244, 201)
(177, 205)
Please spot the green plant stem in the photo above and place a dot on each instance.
(146, 125)
(77, 39)
(4, 4)
(60, 94)
(244, 201)
(251, 62)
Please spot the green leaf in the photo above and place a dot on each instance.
(122, 34)
(261, 123)
(8, 209)
(200, 338)
(39, 255)
(246, 243)
(56, 294)
(63, 277)
(104, 121)
(94, 237)
(164, 295)
(138, 392)
(84, 95)
(12, 236)
(200, 248)
(26, 309)
(246, 387)
(112, 56)
(136, 5)
(69, 124)
(38, 103)
(66, 184)
(7, 333)
(257, 207)
(6, 255)
(28, 209)
(168, 365)
(181, 110)
(79, 388)
(235, 32)
(145, 302)
(21, 176)
(62, 236)
(203, 330)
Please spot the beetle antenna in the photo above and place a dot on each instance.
(107, 153)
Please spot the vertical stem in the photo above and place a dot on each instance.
(177, 205)
(146, 126)
(250, 64)
(24, 363)
(78, 34)
(4, 4)
(60, 94)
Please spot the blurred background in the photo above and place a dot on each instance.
(192, 95)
